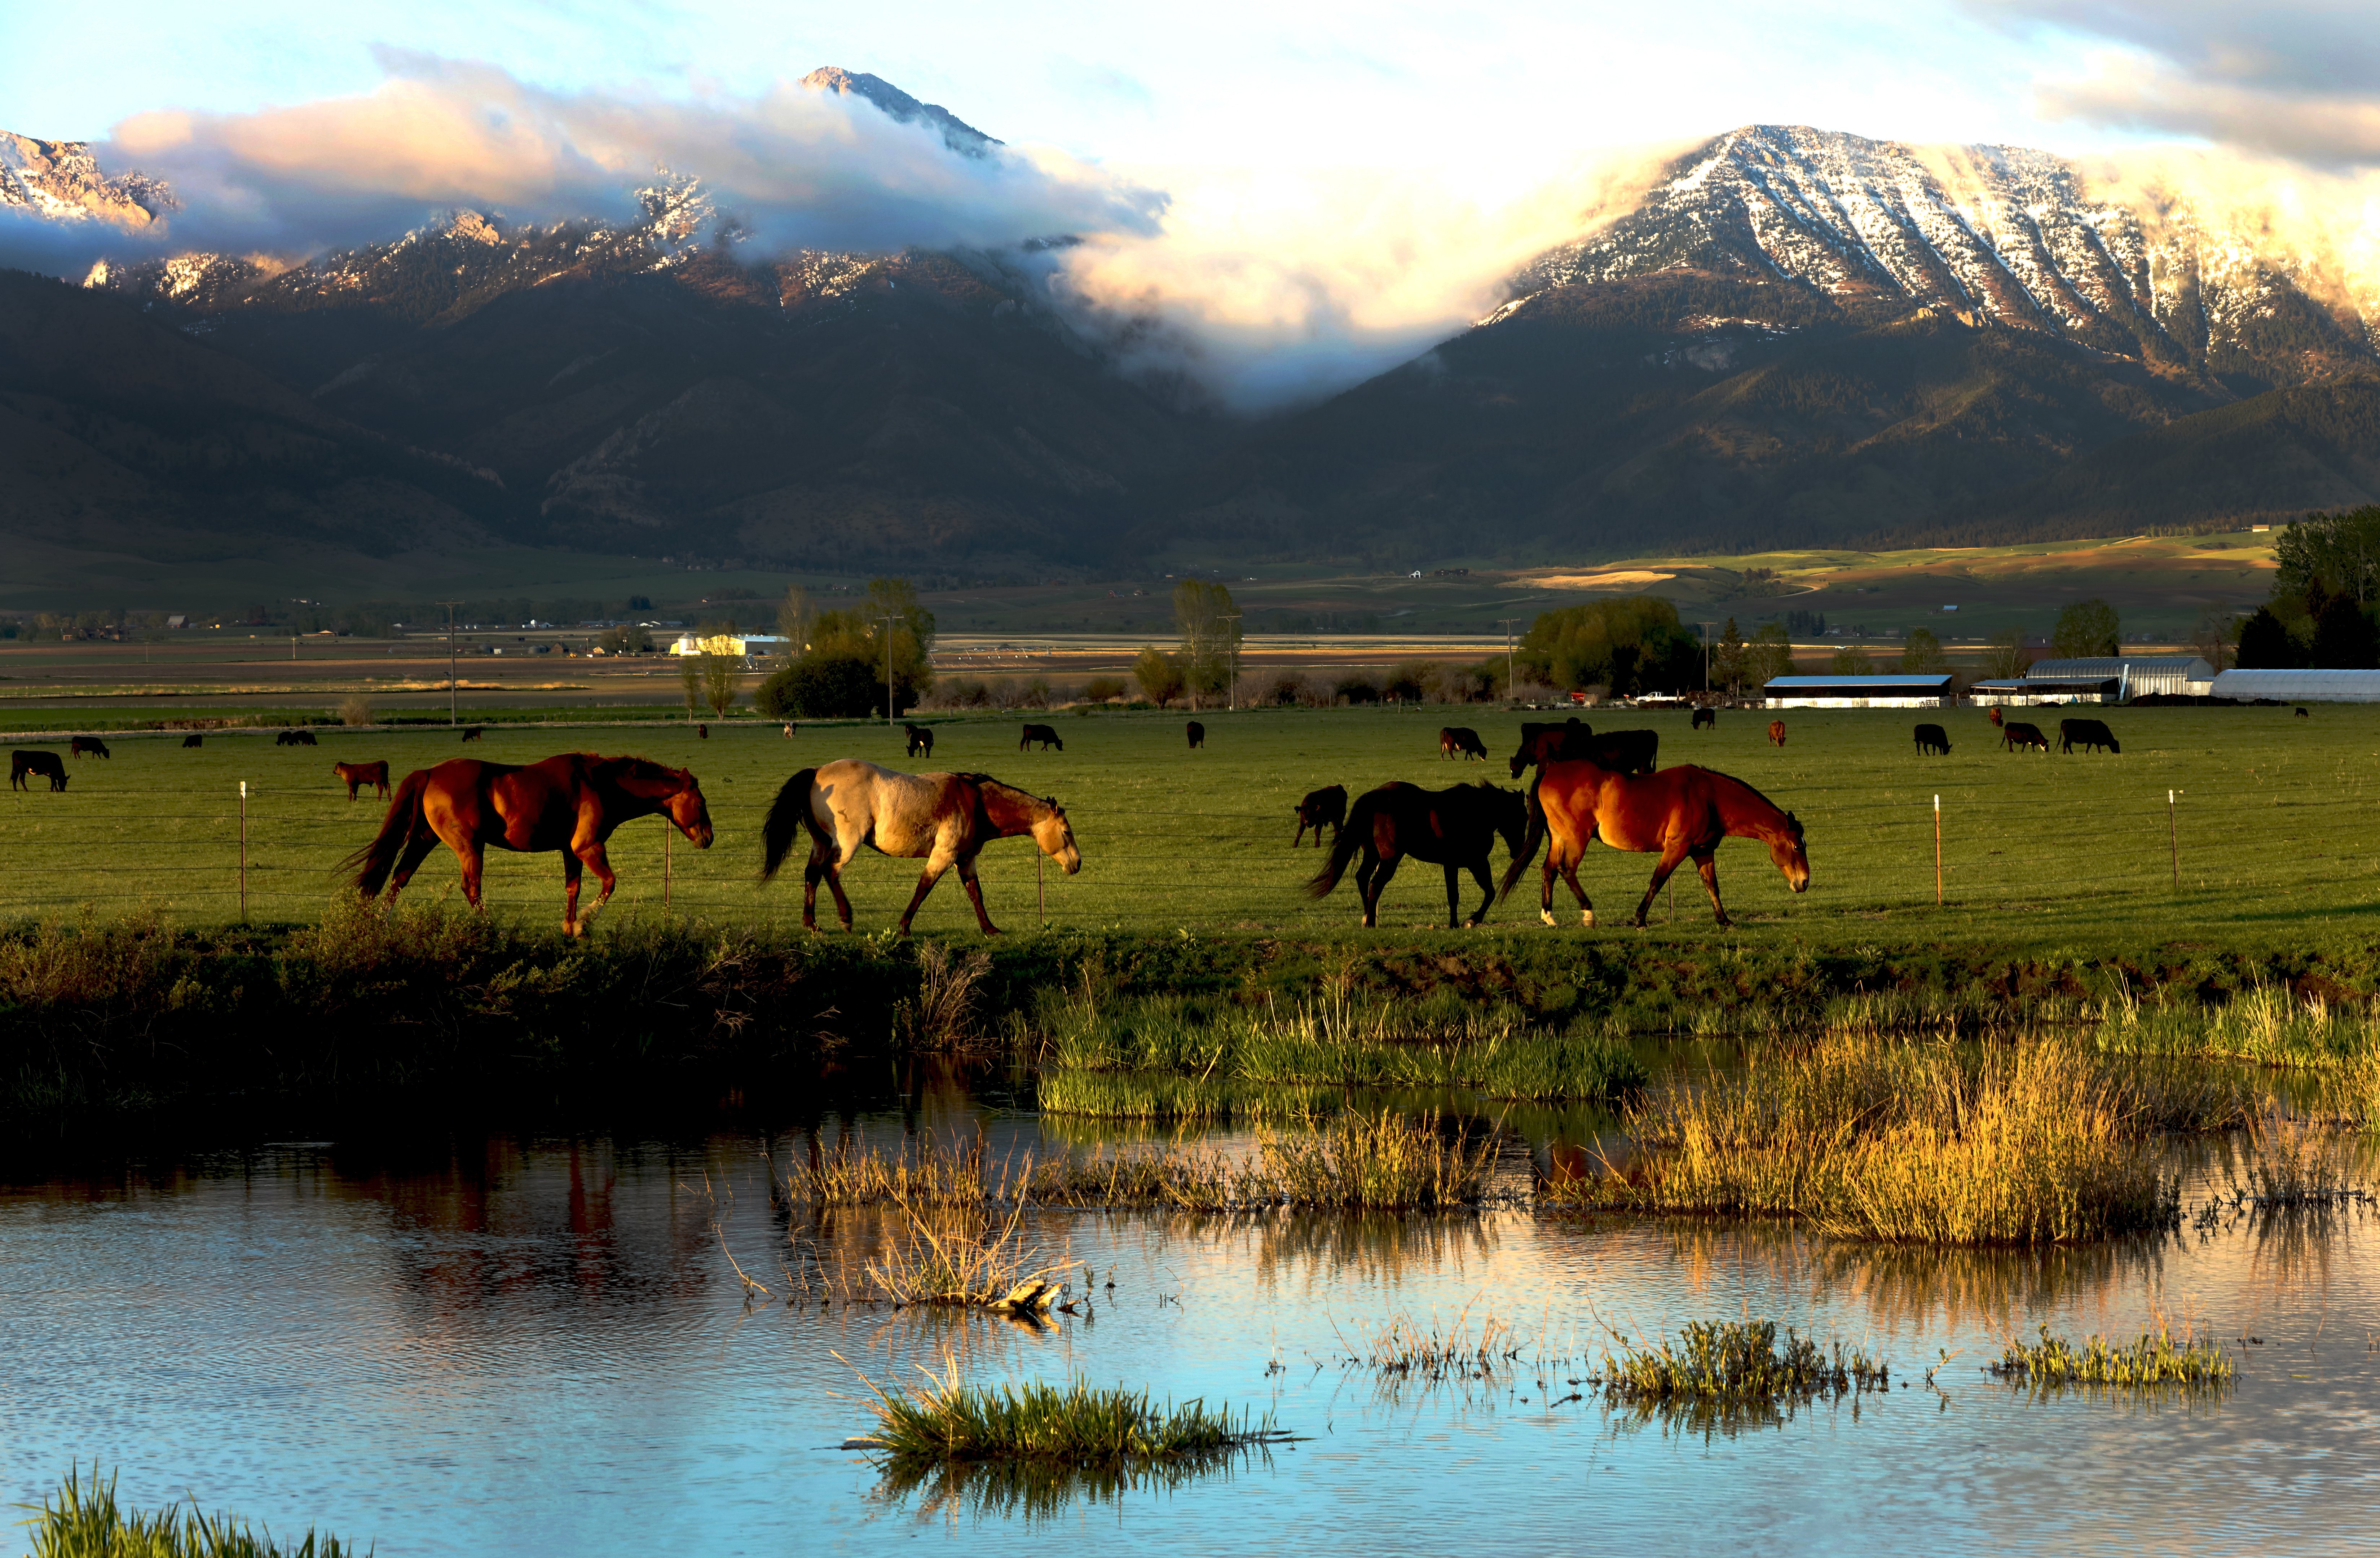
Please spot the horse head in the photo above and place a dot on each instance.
(1056, 837)
(1792, 857)
(1511, 815)
(675, 793)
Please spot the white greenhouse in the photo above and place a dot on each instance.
(2102, 680)
(2300, 687)
(1859, 692)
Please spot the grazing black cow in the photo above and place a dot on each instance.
(293, 738)
(1621, 751)
(2015, 734)
(702, 733)
(21, 764)
(90, 745)
(1326, 805)
(922, 738)
(194, 740)
(1933, 738)
(1198, 735)
(1046, 734)
(2086, 733)
(2302, 714)
(472, 733)
(1460, 740)
(1705, 717)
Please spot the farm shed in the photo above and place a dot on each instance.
(1859, 692)
(2103, 679)
(2300, 687)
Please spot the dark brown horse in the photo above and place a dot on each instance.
(946, 818)
(1682, 812)
(569, 803)
(1453, 828)
(359, 774)
(1777, 733)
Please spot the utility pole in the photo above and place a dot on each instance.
(450, 606)
(1231, 694)
(889, 621)
(1506, 623)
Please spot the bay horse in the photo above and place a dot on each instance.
(571, 802)
(1682, 813)
(945, 817)
(359, 774)
(1454, 828)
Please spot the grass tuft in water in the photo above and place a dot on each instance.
(2155, 1359)
(1075, 1424)
(1735, 1363)
(83, 1520)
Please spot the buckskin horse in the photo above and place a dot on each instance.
(1682, 812)
(571, 802)
(945, 817)
(1454, 828)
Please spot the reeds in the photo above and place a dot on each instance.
(83, 1520)
(1734, 1363)
(960, 1258)
(2269, 1024)
(2155, 1359)
(1167, 1099)
(1358, 1161)
(1930, 1143)
(1077, 1424)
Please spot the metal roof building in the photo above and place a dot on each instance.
(2102, 680)
(1924, 691)
(2300, 687)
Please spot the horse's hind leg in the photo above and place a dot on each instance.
(1372, 890)
(472, 862)
(1672, 855)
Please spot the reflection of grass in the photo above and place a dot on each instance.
(83, 1520)
(1174, 1100)
(1333, 1042)
(2039, 1144)
(2155, 1359)
(1042, 1491)
(1078, 1424)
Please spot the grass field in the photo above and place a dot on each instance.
(2274, 827)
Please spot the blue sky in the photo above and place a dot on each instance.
(1498, 92)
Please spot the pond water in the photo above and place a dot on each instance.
(465, 1344)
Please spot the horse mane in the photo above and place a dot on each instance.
(1754, 791)
(984, 781)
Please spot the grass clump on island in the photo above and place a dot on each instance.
(1734, 1363)
(945, 1420)
(1357, 1160)
(1224, 1062)
(83, 1520)
(2036, 1144)
(2155, 1359)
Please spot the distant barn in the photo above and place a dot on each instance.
(1897, 691)
(2102, 680)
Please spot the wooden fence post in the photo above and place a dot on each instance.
(2173, 837)
(1937, 851)
(243, 849)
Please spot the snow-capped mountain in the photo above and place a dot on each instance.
(60, 181)
(1998, 234)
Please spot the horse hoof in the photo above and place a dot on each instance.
(1588, 918)
(1546, 915)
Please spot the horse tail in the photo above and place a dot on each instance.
(788, 815)
(1350, 839)
(1535, 840)
(371, 864)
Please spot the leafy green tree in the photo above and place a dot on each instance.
(2266, 643)
(1630, 643)
(1921, 654)
(1849, 661)
(1209, 625)
(822, 686)
(2086, 631)
(2007, 656)
(2340, 551)
(1160, 675)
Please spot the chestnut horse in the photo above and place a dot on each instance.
(569, 803)
(1452, 828)
(946, 818)
(1683, 811)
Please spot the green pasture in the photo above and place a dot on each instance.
(2273, 824)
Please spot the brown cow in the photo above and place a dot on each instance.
(2016, 736)
(359, 774)
(1326, 805)
(1046, 734)
(1459, 740)
(87, 746)
(1777, 733)
(1993, 713)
